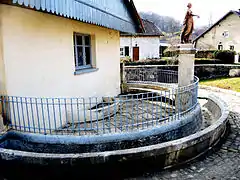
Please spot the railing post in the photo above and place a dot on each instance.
(1, 114)
(123, 73)
(124, 81)
(185, 75)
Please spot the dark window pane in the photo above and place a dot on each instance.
(126, 51)
(220, 47)
(88, 55)
(79, 40)
(79, 56)
(87, 40)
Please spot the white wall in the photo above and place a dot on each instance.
(212, 38)
(148, 46)
(38, 58)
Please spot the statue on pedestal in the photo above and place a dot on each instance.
(188, 25)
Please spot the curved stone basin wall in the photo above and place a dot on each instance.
(164, 154)
(185, 126)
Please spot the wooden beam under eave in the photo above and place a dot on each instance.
(6, 2)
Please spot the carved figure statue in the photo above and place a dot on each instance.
(188, 25)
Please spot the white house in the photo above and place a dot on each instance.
(48, 49)
(61, 49)
(141, 46)
(222, 35)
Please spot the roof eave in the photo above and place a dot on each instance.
(141, 34)
(136, 22)
(136, 16)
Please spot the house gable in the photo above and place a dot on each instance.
(217, 23)
(225, 33)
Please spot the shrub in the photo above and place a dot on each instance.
(208, 61)
(226, 56)
(153, 62)
(169, 53)
(168, 61)
(209, 54)
(125, 59)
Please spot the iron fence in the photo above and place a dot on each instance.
(150, 75)
(93, 116)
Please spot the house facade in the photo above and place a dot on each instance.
(141, 46)
(60, 49)
(223, 35)
(47, 49)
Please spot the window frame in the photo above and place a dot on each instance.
(226, 34)
(220, 47)
(231, 47)
(126, 47)
(122, 51)
(85, 65)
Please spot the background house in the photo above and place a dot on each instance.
(223, 35)
(141, 46)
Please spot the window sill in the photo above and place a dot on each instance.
(84, 71)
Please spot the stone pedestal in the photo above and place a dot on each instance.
(184, 97)
(186, 64)
(1, 124)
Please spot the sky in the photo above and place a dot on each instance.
(207, 9)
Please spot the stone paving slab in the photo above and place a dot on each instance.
(218, 164)
(131, 116)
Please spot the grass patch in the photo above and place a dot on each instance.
(225, 83)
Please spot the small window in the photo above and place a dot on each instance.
(232, 48)
(121, 51)
(220, 47)
(126, 49)
(226, 34)
(82, 51)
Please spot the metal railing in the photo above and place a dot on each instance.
(92, 116)
(150, 75)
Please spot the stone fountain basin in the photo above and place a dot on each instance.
(166, 154)
(97, 114)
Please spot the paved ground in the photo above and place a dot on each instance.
(219, 163)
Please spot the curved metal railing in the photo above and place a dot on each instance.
(154, 98)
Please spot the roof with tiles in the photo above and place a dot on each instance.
(150, 30)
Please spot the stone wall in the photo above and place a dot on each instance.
(214, 71)
(164, 154)
(207, 71)
(185, 126)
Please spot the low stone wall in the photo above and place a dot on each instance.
(207, 71)
(213, 71)
(165, 154)
(120, 163)
(186, 125)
